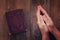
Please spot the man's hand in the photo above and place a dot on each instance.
(45, 23)
(48, 21)
(40, 21)
(42, 25)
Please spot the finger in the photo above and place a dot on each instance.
(38, 13)
(43, 24)
(39, 17)
(47, 16)
(44, 12)
(45, 20)
(40, 20)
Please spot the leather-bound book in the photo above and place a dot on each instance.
(16, 21)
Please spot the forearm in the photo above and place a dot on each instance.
(45, 36)
(56, 33)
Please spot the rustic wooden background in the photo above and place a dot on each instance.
(51, 6)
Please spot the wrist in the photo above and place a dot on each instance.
(56, 33)
(45, 36)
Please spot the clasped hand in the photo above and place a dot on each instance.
(46, 24)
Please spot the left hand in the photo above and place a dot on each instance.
(40, 21)
(42, 26)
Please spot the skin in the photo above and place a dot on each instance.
(42, 25)
(46, 24)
